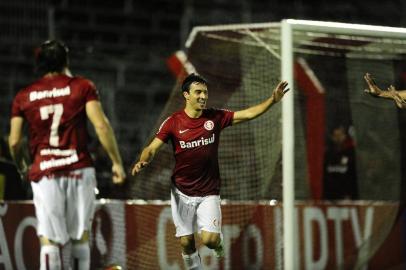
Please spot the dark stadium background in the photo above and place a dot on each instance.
(123, 46)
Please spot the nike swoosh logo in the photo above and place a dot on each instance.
(183, 131)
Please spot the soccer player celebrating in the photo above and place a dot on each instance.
(194, 133)
(398, 96)
(56, 108)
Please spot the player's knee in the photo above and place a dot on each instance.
(211, 240)
(188, 244)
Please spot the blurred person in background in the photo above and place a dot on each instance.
(56, 108)
(195, 135)
(340, 177)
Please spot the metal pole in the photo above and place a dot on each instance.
(288, 143)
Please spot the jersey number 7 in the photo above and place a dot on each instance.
(57, 111)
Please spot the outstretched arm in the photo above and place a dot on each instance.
(14, 142)
(257, 110)
(375, 91)
(106, 137)
(147, 155)
(398, 96)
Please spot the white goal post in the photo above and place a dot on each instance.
(286, 28)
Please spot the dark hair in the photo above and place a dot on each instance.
(51, 56)
(192, 78)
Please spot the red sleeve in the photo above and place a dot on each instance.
(16, 107)
(165, 130)
(90, 91)
(226, 118)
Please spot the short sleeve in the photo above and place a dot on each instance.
(90, 91)
(16, 109)
(226, 118)
(165, 130)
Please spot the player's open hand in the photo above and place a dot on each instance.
(118, 174)
(399, 101)
(373, 89)
(280, 91)
(138, 167)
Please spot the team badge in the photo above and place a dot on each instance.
(209, 125)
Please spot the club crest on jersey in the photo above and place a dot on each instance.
(208, 125)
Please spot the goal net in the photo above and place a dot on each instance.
(347, 149)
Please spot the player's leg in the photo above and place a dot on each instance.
(184, 218)
(189, 253)
(80, 211)
(49, 202)
(210, 239)
(213, 241)
(50, 257)
(209, 222)
(187, 242)
(81, 253)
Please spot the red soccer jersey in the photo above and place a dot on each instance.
(195, 143)
(54, 108)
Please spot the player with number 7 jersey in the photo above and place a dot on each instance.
(54, 108)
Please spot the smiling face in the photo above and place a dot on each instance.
(197, 96)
